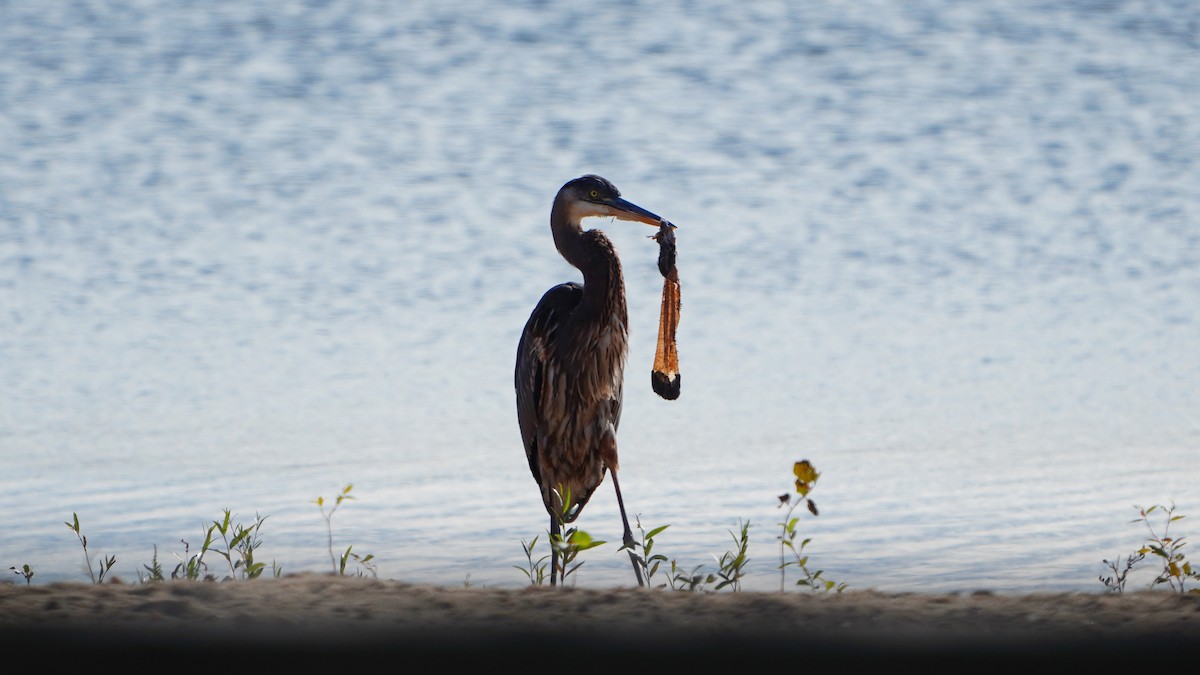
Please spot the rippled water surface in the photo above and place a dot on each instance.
(948, 252)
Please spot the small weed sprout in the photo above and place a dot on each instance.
(648, 563)
(339, 564)
(806, 480)
(536, 570)
(239, 551)
(320, 502)
(732, 564)
(106, 564)
(693, 581)
(1175, 570)
(154, 571)
(569, 543)
(1115, 582)
(193, 567)
(364, 563)
(25, 571)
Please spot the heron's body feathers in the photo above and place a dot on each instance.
(569, 383)
(571, 361)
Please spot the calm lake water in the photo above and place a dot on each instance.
(251, 253)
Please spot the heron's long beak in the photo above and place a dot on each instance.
(629, 211)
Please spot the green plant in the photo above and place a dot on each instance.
(340, 563)
(648, 563)
(732, 564)
(535, 570)
(569, 545)
(1175, 570)
(239, 551)
(106, 564)
(240, 543)
(806, 480)
(192, 567)
(1116, 581)
(569, 542)
(154, 570)
(693, 581)
(364, 563)
(25, 571)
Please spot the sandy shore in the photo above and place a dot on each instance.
(350, 621)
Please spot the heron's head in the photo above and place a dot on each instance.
(589, 196)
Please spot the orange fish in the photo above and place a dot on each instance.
(664, 378)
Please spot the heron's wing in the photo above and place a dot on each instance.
(534, 351)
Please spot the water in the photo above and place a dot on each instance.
(253, 252)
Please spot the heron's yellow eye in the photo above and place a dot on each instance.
(595, 194)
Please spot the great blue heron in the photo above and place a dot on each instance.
(571, 361)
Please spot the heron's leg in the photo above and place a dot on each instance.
(629, 542)
(554, 534)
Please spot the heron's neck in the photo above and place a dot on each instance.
(596, 257)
